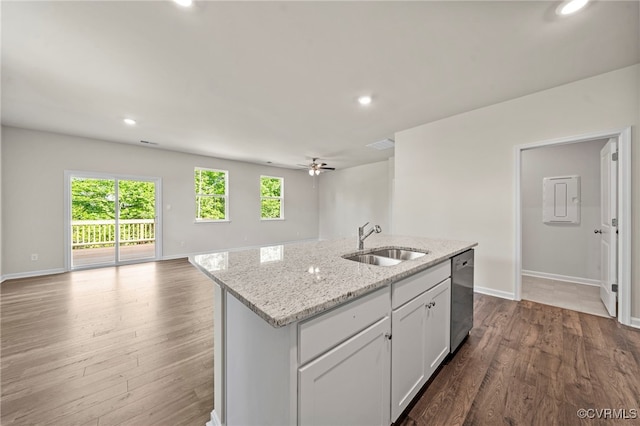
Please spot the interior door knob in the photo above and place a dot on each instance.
(597, 231)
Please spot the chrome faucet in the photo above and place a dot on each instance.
(363, 235)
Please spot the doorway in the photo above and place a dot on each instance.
(560, 188)
(622, 264)
(111, 219)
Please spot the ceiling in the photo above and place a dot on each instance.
(278, 81)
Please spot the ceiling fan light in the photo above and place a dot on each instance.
(310, 172)
(317, 172)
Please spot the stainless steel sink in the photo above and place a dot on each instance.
(372, 259)
(386, 257)
(399, 254)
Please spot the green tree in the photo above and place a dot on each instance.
(271, 201)
(210, 189)
(137, 199)
(94, 199)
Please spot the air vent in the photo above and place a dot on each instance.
(383, 144)
(149, 143)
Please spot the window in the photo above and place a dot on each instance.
(271, 197)
(211, 194)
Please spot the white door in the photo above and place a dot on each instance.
(407, 353)
(349, 385)
(608, 228)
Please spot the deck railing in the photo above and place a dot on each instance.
(102, 233)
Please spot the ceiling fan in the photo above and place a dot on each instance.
(315, 167)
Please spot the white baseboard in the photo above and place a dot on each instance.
(178, 256)
(565, 278)
(232, 249)
(167, 257)
(215, 421)
(496, 293)
(635, 322)
(32, 274)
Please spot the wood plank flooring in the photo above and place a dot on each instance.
(133, 345)
(130, 345)
(526, 363)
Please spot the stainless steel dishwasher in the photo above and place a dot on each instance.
(461, 298)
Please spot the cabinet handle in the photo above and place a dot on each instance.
(431, 305)
(387, 336)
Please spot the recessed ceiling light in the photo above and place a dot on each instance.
(130, 121)
(364, 100)
(572, 6)
(184, 3)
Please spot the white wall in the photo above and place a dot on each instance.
(33, 165)
(572, 250)
(454, 178)
(1, 209)
(350, 197)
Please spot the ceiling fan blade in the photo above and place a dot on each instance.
(327, 168)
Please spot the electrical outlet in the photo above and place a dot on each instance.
(34, 257)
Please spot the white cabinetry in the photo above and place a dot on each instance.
(420, 330)
(345, 364)
(349, 385)
(408, 353)
(438, 326)
(360, 363)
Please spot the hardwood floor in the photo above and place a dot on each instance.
(133, 345)
(526, 363)
(129, 345)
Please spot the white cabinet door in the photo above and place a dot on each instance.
(408, 328)
(438, 317)
(349, 385)
(421, 335)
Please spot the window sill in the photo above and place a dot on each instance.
(212, 221)
(269, 219)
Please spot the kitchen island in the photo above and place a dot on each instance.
(303, 335)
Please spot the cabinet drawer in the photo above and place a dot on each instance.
(323, 332)
(408, 288)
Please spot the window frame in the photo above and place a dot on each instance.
(225, 196)
(281, 197)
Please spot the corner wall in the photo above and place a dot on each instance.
(33, 165)
(454, 178)
(1, 210)
(350, 197)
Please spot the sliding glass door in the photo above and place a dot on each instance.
(111, 220)
(136, 214)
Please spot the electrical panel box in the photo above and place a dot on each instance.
(561, 199)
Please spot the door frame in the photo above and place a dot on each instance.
(623, 136)
(68, 174)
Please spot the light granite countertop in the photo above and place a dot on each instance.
(291, 282)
